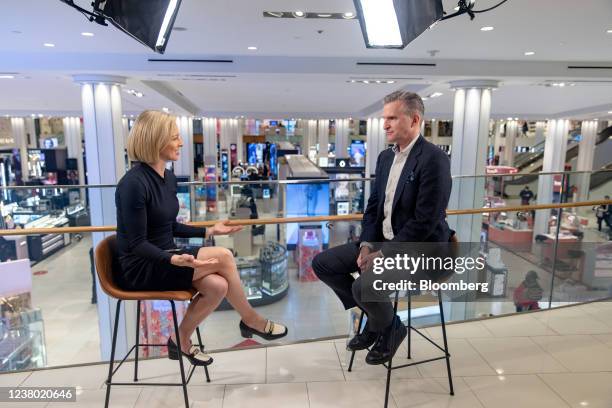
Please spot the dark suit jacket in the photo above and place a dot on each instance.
(419, 205)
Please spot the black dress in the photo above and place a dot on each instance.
(146, 226)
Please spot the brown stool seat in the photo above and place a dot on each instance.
(106, 262)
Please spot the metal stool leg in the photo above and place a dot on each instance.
(390, 363)
(448, 367)
(409, 324)
(350, 367)
(137, 341)
(178, 343)
(112, 356)
(201, 345)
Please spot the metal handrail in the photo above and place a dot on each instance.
(300, 181)
(323, 218)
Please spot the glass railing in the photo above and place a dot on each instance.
(53, 314)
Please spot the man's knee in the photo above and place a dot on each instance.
(318, 264)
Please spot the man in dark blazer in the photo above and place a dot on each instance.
(407, 204)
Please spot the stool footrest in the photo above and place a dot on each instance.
(417, 362)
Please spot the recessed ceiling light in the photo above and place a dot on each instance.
(348, 14)
(366, 82)
(166, 109)
(609, 31)
(436, 94)
(609, 112)
(324, 15)
(7, 76)
(390, 82)
(252, 48)
(50, 45)
(487, 28)
(529, 53)
(352, 81)
(299, 13)
(87, 34)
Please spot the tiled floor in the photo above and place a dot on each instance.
(506, 362)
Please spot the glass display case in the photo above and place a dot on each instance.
(22, 343)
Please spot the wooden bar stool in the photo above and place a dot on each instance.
(107, 262)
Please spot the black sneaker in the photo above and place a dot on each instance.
(362, 340)
(387, 343)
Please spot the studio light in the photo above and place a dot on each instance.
(395, 23)
(149, 22)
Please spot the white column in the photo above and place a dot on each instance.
(377, 142)
(469, 153)
(21, 142)
(555, 149)
(74, 143)
(102, 111)
(539, 132)
(310, 137)
(184, 165)
(323, 139)
(511, 134)
(586, 152)
(30, 129)
(435, 130)
(209, 130)
(342, 135)
(497, 139)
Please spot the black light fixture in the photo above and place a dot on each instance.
(149, 22)
(395, 23)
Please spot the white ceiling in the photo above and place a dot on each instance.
(297, 72)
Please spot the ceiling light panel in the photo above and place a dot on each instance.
(349, 15)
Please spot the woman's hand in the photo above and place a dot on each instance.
(191, 261)
(222, 228)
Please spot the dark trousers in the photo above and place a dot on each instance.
(334, 267)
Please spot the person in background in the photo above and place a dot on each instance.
(600, 214)
(147, 207)
(528, 293)
(526, 195)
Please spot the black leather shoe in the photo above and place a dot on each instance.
(272, 331)
(362, 340)
(387, 343)
(195, 356)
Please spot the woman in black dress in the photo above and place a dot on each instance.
(146, 225)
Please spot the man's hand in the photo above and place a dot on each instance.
(368, 260)
(191, 261)
(364, 251)
(222, 228)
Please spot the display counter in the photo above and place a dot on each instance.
(41, 246)
(265, 279)
(21, 326)
(517, 239)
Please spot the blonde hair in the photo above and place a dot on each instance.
(150, 134)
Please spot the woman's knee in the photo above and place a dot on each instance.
(214, 285)
(224, 255)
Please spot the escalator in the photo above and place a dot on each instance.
(524, 160)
